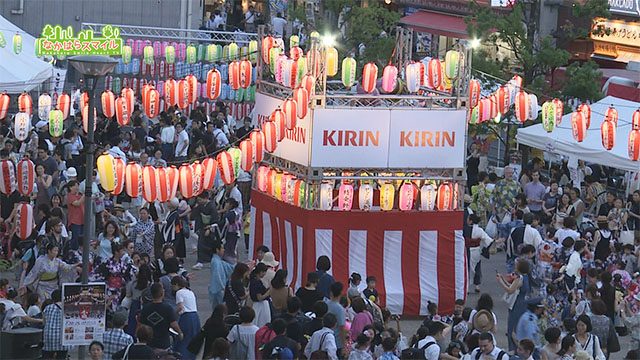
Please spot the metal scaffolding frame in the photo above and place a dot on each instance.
(148, 32)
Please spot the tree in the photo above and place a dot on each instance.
(585, 80)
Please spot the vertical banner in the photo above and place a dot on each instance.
(84, 313)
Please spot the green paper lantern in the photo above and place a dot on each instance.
(302, 69)
(192, 54)
(548, 116)
(148, 55)
(17, 43)
(452, 64)
(236, 158)
(201, 52)
(348, 71)
(234, 52)
(225, 53)
(170, 54)
(241, 94)
(126, 54)
(475, 115)
(56, 123)
(3, 41)
(294, 41)
(274, 52)
(253, 51)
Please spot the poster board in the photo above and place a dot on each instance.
(84, 313)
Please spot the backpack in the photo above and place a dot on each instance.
(320, 354)
(282, 353)
(375, 311)
(500, 355)
(415, 353)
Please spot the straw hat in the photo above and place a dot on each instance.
(269, 259)
(483, 321)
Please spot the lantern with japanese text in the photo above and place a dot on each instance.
(210, 168)
(84, 99)
(608, 134)
(274, 54)
(578, 126)
(133, 180)
(214, 83)
(26, 177)
(559, 107)
(503, 98)
(365, 197)
(245, 74)
(225, 166)
(17, 43)
(192, 83)
(262, 177)
(611, 115)
(326, 196)
(130, 96)
(108, 103)
(149, 187)
(25, 104)
(445, 197)
(25, 220)
(7, 177)
(172, 175)
(233, 51)
(484, 110)
(295, 52)
(186, 181)
(170, 54)
(267, 44)
(246, 162)
(585, 110)
(171, 92)
(64, 104)
(533, 107)
(434, 71)
(369, 77)
(301, 67)
(331, 61)
(407, 196)
(452, 64)
(163, 184)
(122, 111)
(308, 82)
(56, 123)
(548, 116)
(120, 167)
(412, 75)
(345, 197)
(270, 136)
(301, 97)
(44, 106)
(522, 106)
(428, 197)
(289, 108)
(280, 127)
(633, 147)
(389, 78)
(21, 126)
(107, 171)
(151, 103)
(474, 93)
(148, 55)
(126, 54)
(257, 142)
(253, 51)
(493, 106)
(348, 71)
(234, 75)
(183, 94)
(4, 105)
(387, 197)
(635, 120)
(192, 54)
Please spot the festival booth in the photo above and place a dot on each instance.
(368, 173)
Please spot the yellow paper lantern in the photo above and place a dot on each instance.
(332, 61)
(387, 197)
(107, 171)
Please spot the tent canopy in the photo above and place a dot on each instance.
(24, 71)
(561, 140)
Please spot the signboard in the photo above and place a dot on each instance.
(618, 32)
(295, 145)
(625, 7)
(84, 313)
(380, 138)
(427, 139)
(58, 41)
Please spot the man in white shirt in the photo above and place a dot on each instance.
(567, 230)
(487, 350)
(430, 342)
(324, 339)
(219, 135)
(574, 266)
(525, 350)
(216, 23)
(167, 136)
(531, 235)
(249, 20)
(479, 240)
(278, 24)
(182, 143)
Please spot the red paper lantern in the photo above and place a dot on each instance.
(149, 187)
(289, 108)
(145, 89)
(280, 128)
(301, 97)
(122, 111)
(608, 134)
(173, 175)
(585, 109)
(277, 115)
(133, 180)
(408, 195)
(108, 103)
(25, 104)
(369, 77)
(245, 74)
(445, 197)
(186, 181)
(516, 80)
(192, 83)
(24, 215)
(198, 175)
(295, 52)
(474, 93)
(119, 167)
(130, 96)
(64, 105)
(151, 103)
(633, 146)
(225, 165)
(308, 82)
(183, 94)
(559, 110)
(389, 78)
(267, 44)
(84, 100)
(503, 99)
(246, 161)
(578, 126)
(4, 105)
(214, 83)
(257, 142)
(270, 136)
(210, 169)
(434, 71)
(635, 120)
(523, 106)
(171, 92)
(493, 106)
(7, 177)
(26, 177)
(234, 75)
(611, 115)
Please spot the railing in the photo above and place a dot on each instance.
(148, 32)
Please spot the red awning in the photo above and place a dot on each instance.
(437, 23)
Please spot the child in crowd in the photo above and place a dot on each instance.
(370, 292)
(354, 284)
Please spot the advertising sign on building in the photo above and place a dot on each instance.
(84, 313)
(618, 32)
(625, 7)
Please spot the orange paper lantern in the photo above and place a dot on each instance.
(186, 181)
(149, 187)
(151, 103)
(130, 96)
(503, 99)
(301, 97)
(474, 93)
(445, 197)
(171, 92)
(234, 75)
(289, 108)
(308, 82)
(246, 161)
(4, 105)
(183, 94)
(559, 110)
(210, 166)
(434, 71)
(64, 104)
(25, 104)
(214, 83)
(369, 77)
(192, 81)
(585, 109)
(635, 120)
(122, 111)
(578, 126)
(108, 103)
(612, 115)
(270, 136)
(634, 145)
(608, 134)
(245, 74)
(267, 44)
(119, 167)
(225, 165)
(257, 142)
(133, 180)
(522, 106)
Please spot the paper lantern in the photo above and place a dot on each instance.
(64, 104)
(452, 64)
(301, 70)
(278, 186)
(427, 197)
(126, 54)
(26, 177)
(44, 106)
(214, 83)
(635, 120)
(21, 126)
(633, 146)
(24, 219)
(210, 168)
(484, 110)
(493, 106)
(369, 77)
(474, 116)
(245, 74)
(295, 53)
(173, 176)
(186, 181)
(149, 191)
(234, 75)
(389, 78)
(504, 99)
(585, 109)
(148, 55)
(133, 180)
(192, 83)
(56, 123)
(434, 73)
(611, 115)
(289, 108)
(170, 54)
(301, 97)
(559, 106)
(474, 93)
(130, 96)
(108, 103)
(387, 197)
(183, 94)
(326, 196)
(308, 82)
(294, 40)
(3, 41)
(17, 43)
(348, 71)
(407, 196)
(163, 186)
(516, 80)
(246, 162)
(365, 197)
(412, 75)
(25, 104)
(261, 177)
(192, 54)
(522, 106)
(533, 107)
(233, 51)
(4, 105)
(7, 177)
(345, 197)
(274, 54)
(578, 126)
(445, 197)
(280, 127)
(548, 116)
(287, 73)
(120, 168)
(267, 44)
(84, 100)
(270, 136)
(258, 145)
(122, 112)
(107, 171)
(225, 166)
(253, 51)
(151, 103)
(331, 61)
(608, 134)
(171, 92)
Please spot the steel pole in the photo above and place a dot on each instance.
(89, 230)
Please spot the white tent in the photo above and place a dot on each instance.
(561, 140)
(24, 71)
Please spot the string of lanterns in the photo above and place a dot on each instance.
(16, 42)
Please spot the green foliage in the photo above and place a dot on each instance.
(583, 81)
(589, 10)
(482, 62)
(297, 12)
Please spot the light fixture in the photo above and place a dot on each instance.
(474, 43)
(388, 2)
(328, 40)
(93, 65)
